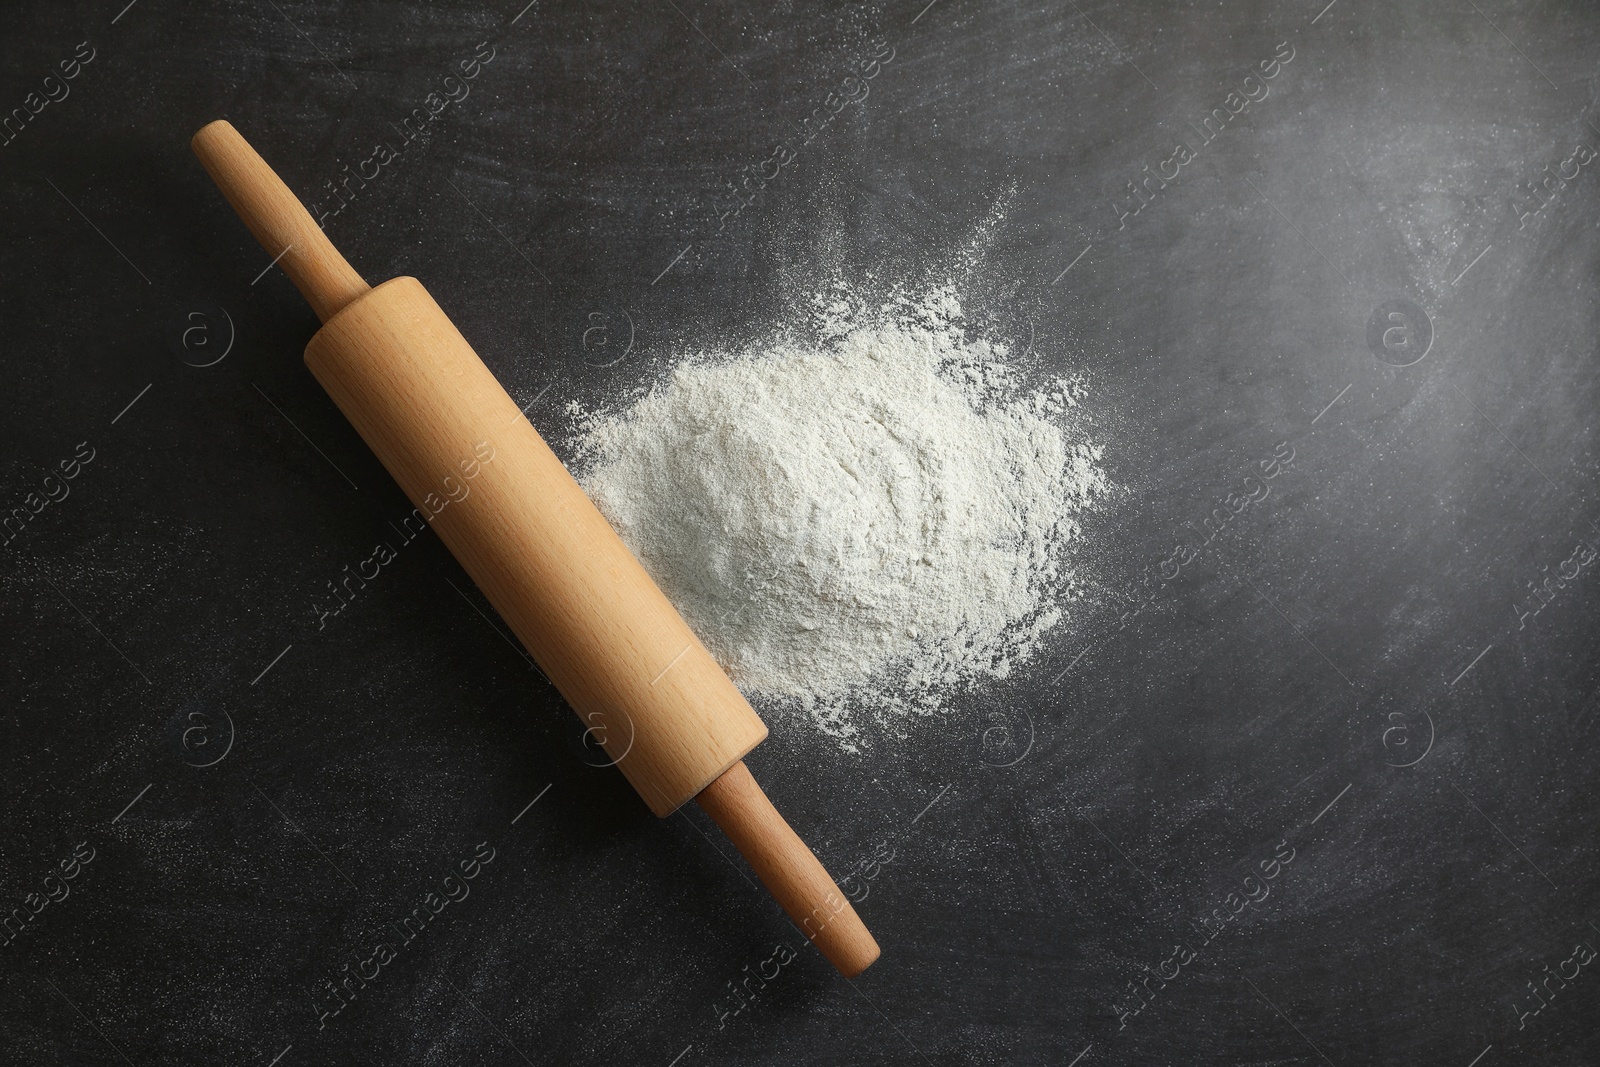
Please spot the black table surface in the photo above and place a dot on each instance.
(1307, 775)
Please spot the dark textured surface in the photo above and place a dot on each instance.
(1072, 832)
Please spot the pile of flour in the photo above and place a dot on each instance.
(873, 518)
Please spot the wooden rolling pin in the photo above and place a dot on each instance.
(537, 547)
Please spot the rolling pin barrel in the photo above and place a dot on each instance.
(522, 527)
(482, 477)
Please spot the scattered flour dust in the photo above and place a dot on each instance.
(863, 522)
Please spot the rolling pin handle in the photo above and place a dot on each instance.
(789, 870)
(278, 220)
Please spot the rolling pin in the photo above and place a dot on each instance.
(504, 504)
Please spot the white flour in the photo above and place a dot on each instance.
(870, 521)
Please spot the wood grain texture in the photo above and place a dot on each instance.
(533, 542)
